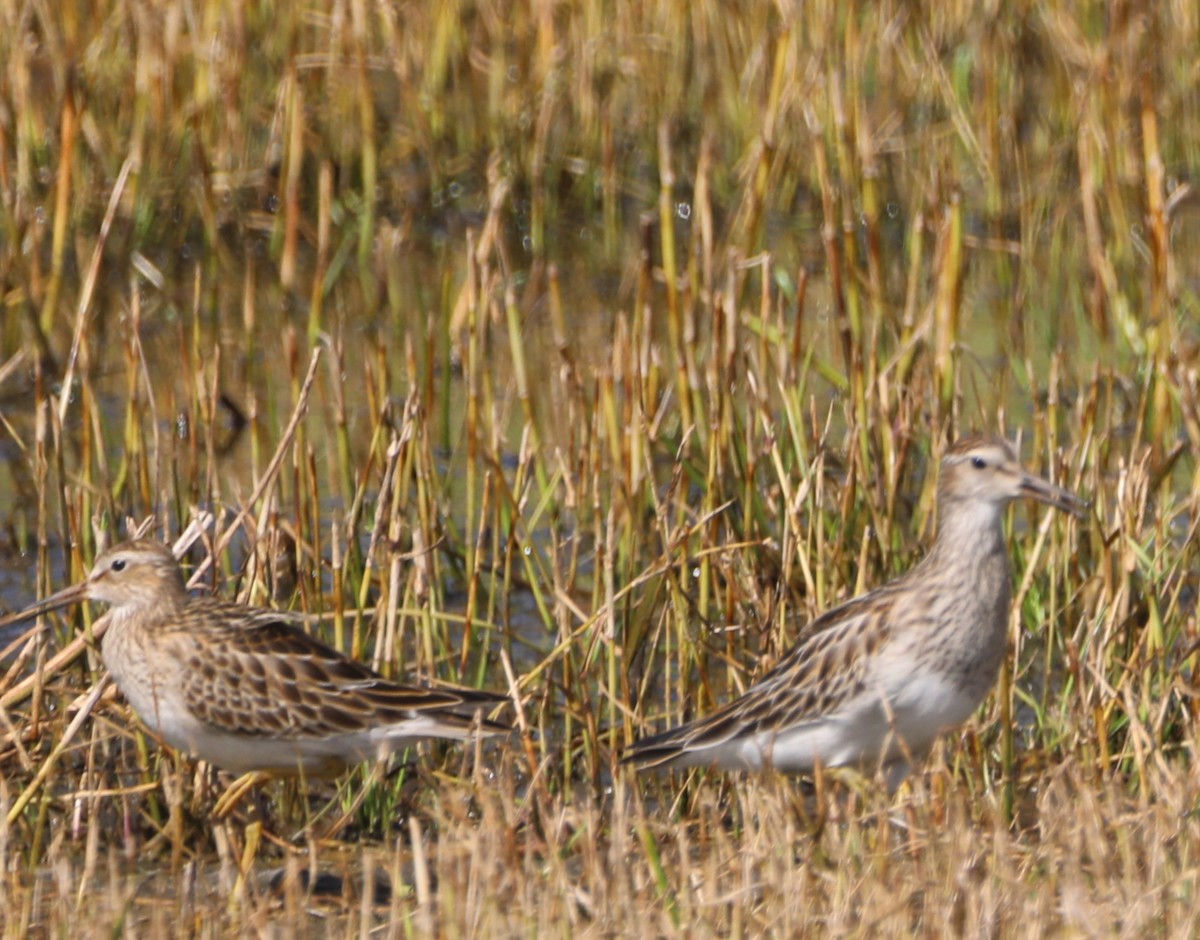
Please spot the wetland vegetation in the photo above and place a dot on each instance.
(583, 351)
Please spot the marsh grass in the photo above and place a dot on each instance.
(585, 351)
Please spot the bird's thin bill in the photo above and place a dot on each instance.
(71, 595)
(1053, 495)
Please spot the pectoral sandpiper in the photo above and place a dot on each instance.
(874, 681)
(246, 690)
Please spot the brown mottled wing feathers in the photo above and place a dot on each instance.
(261, 675)
(826, 668)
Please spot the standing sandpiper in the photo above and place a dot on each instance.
(874, 681)
(244, 689)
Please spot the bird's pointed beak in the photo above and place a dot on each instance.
(72, 595)
(1051, 495)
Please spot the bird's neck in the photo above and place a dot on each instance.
(148, 610)
(968, 533)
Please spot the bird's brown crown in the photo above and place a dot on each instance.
(137, 572)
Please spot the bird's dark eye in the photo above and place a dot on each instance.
(118, 564)
(978, 463)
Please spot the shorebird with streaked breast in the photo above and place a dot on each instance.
(876, 680)
(244, 688)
